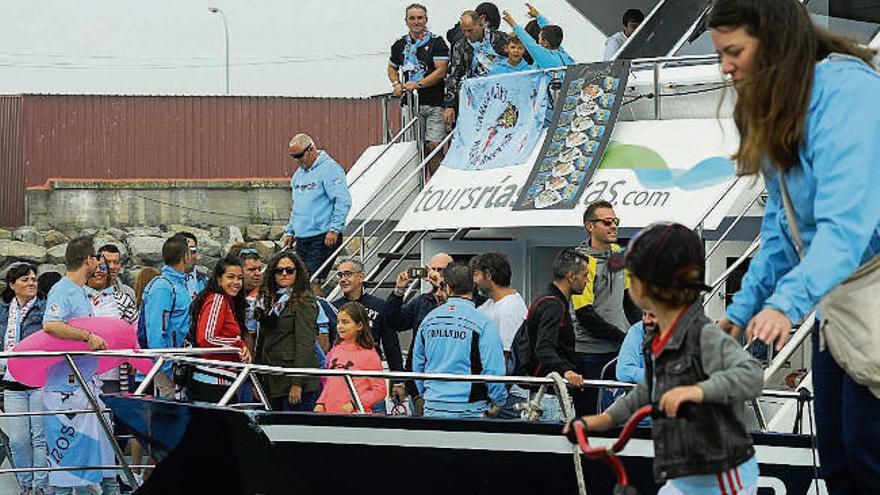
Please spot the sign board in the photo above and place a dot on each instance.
(653, 170)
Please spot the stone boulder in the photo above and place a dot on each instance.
(5, 234)
(117, 234)
(276, 232)
(17, 250)
(145, 250)
(54, 238)
(265, 248)
(45, 268)
(55, 254)
(145, 232)
(29, 235)
(256, 232)
(229, 235)
(209, 247)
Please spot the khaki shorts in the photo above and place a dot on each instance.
(432, 123)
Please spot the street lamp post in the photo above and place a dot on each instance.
(217, 10)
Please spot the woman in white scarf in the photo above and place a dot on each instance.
(21, 314)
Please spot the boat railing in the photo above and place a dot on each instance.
(248, 371)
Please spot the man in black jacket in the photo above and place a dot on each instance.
(350, 273)
(473, 55)
(549, 324)
(401, 317)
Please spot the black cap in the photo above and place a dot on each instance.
(662, 254)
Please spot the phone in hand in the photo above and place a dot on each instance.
(417, 272)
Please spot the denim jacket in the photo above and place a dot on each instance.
(32, 321)
(705, 438)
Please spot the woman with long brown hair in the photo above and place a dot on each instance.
(288, 328)
(808, 113)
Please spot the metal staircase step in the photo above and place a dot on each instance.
(372, 284)
(400, 256)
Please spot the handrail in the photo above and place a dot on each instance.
(398, 262)
(717, 202)
(791, 346)
(376, 211)
(388, 146)
(732, 225)
(716, 285)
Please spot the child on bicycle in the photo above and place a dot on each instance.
(697, 377)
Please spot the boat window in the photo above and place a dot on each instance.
(856, 18)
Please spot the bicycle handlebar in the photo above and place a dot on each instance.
(607, 453)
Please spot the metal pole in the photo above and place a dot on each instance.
(260, 392)
(656, 91)
(105, 425)
(245, 372)
(149, 378)
(355, 397)
(385, 130)
(218, 10)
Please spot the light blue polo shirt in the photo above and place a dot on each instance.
(67, 301)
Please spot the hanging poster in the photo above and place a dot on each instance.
(589, 101)
(500, 121)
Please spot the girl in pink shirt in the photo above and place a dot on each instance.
(354, 350)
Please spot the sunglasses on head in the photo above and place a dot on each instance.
(608, 222)
(247, 251)
(298, 156)
(287, 270)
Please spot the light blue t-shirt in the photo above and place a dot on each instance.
(67, 301)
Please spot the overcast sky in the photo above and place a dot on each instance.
(163, 47)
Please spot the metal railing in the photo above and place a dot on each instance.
(361, 229)
(100, 412)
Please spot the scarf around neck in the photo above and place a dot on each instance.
(414, 68)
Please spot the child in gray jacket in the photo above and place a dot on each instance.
(697, 377)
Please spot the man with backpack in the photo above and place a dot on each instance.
(545, 342)
(164, 320)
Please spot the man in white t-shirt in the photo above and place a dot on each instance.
(632, 18)
(505, 307)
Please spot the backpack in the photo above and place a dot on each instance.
(522, 360)
(142, 320)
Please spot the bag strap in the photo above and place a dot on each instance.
(542, 299)
(789, 216)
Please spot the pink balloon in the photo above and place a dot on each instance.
(117, 333)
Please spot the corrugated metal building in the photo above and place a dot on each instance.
(144, 137)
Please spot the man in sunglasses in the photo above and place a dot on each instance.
(350, 273)
(195, 281)
(401, 317)
(604, 311)
(320, 204)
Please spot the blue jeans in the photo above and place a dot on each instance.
(471, 410)
(516, 395)
(590, 367)
(306, 403)
(107, 487)
(553, 412)
(27, 442)
(848, 430)
(314, 253)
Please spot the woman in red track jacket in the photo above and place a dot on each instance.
(218, 314)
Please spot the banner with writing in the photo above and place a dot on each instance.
(500, 120)
(583, 119)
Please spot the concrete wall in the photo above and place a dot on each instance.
(68, 205)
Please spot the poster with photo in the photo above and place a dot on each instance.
(583, 118)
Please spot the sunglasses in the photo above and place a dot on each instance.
(608, 222)
(342, 275)
(300, 155)
(193, 250)
(288, 270)
(247, 251)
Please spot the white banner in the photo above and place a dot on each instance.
(656, 170)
